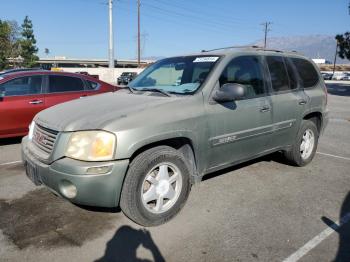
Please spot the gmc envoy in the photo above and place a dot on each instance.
(141, 148)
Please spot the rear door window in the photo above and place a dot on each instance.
(278, 73)
(306, 71)
(21, 86)
(59, 84)
(293, 81)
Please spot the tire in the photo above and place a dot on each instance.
(157, 163)
(298, 157)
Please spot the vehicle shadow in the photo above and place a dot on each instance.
(275, 157)
(99, 209)
(338, 89)
(343, 253)
(124, 244)
(10, 141)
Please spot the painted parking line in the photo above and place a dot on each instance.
(340, 157)
(317, 240)
(10, 163)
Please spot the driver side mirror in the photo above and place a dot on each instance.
(230, 92)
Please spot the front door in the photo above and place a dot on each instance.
(21, 99)
(241, 129)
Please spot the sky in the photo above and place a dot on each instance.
(79, 28)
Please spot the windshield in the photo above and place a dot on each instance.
(176, 75)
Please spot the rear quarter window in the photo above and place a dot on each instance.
(306, 71)
(92, 85)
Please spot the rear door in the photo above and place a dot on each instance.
(20, 101)
(287, 98)
(62, 88)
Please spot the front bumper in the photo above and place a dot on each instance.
(93, 190)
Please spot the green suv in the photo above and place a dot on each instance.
(183, 117)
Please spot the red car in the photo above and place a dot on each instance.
(24, 94)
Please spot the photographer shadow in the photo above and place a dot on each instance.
(124, 244)
(343, 230)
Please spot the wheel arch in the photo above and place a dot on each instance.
(315, 117)
(183, 144)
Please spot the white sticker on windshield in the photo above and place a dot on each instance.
(206, 59)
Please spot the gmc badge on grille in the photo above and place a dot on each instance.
(40, 138)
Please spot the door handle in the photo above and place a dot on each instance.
(35, 102)
(302, 102)
(265, 109)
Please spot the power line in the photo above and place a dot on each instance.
(197, 20)
(266, 29)
(173, 20)
(194, 11)
(204, 20)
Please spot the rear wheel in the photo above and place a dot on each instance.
(156, 186)
(305, 145)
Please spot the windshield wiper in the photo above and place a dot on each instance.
(156, 90)
(130, 88)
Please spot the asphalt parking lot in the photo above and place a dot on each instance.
(263, 210)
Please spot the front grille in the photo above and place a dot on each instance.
(44, 138)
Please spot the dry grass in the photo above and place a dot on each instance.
(327, 67)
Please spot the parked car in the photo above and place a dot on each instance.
(339, 75)
(327, 76)
(126, 77)
(9, 71)
(24, 94)
(142, 149)
(345, 77)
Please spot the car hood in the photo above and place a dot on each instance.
(96, 112)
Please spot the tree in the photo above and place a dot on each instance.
(27, 43)
(344, 45)
(5, 44)
(14, 39)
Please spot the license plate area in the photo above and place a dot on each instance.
(32, 173)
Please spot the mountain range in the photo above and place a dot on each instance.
(312, 46)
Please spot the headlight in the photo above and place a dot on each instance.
(31, 130)
(91, 146)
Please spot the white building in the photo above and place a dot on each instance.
(321, 61)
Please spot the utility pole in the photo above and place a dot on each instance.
(111, 46)
(138, 35)
(266, 29)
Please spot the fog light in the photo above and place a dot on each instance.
(67, 189)
(98, 170)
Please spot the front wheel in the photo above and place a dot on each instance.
(156, 186)
(305, 145)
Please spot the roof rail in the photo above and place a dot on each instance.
(229, 47)
(270, 50)
(259, 48)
